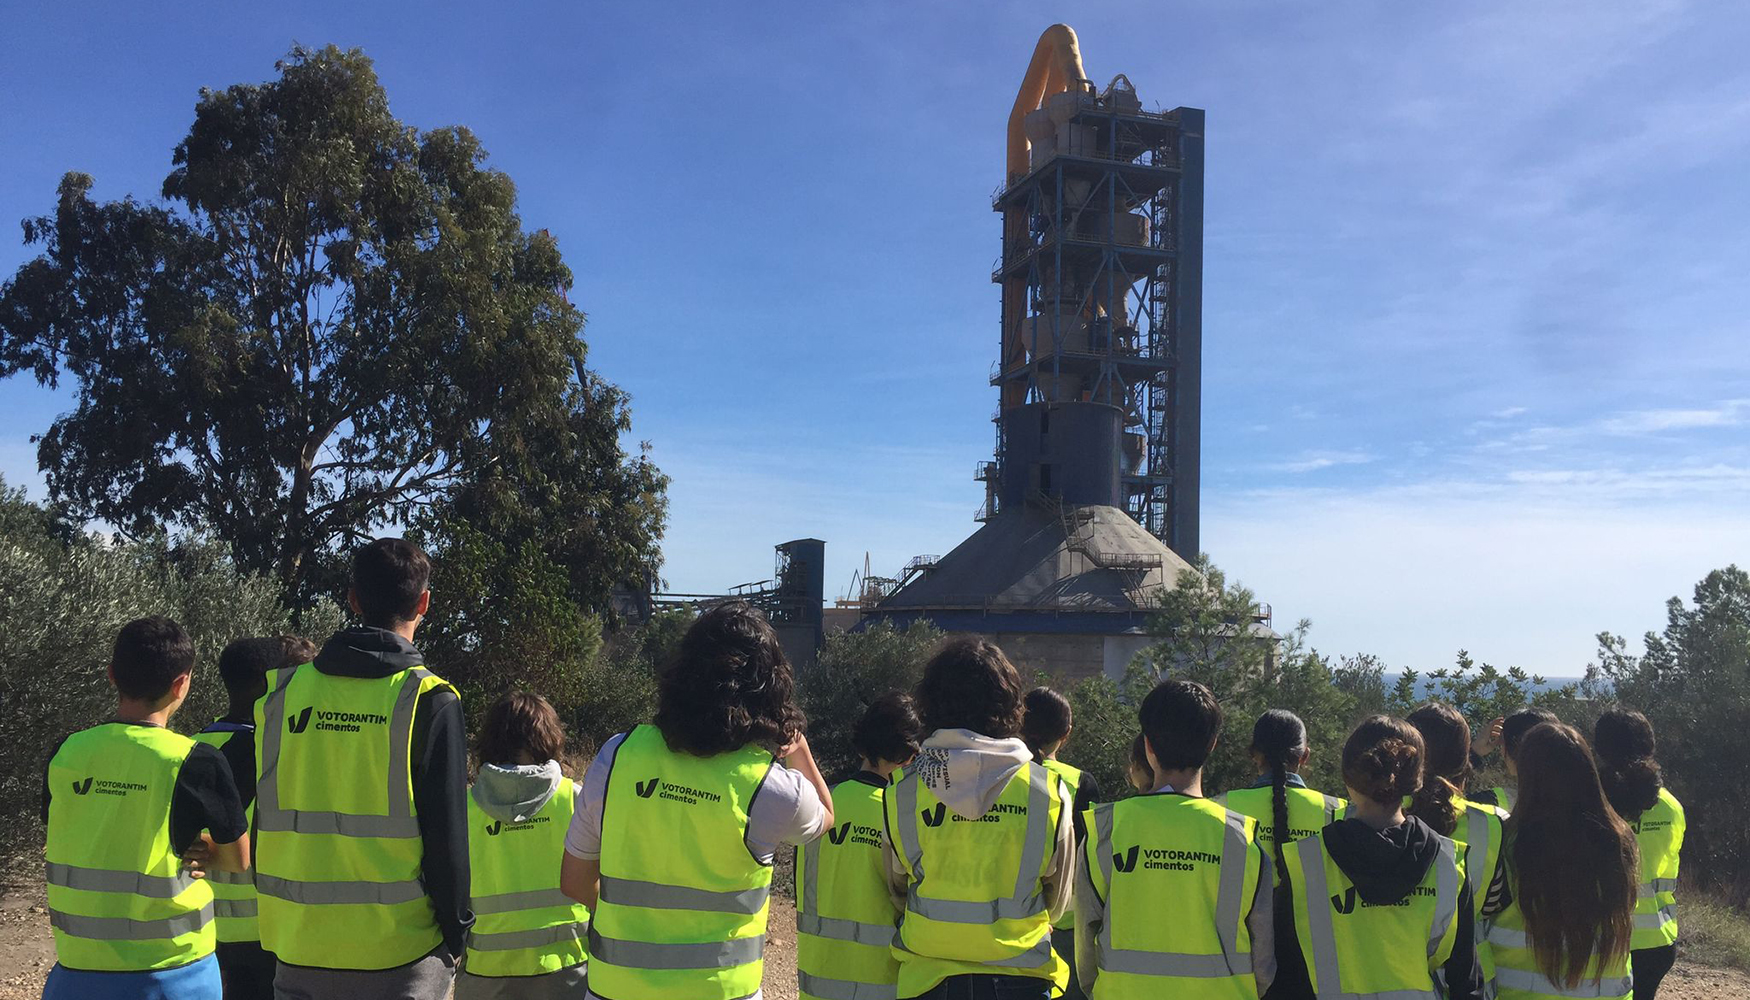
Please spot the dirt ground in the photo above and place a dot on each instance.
(27, 951)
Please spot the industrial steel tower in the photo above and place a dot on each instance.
(1101, 274)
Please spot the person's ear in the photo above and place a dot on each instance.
(1305, 755)
(179, 687)
(352, 601)
(110, 671)
(424, 604)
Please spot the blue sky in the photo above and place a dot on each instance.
(1475, 291)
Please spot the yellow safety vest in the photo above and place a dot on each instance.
(845, 918)
(1308, 811)
(1478, 835)
(1659, 831)
(523, 924)
(1072, 776)
(1503, 798)
(1517, 976)
(119, 899)
(1355, 949)
(683, 904)
(977, 903)
(1175, 877)
(337, 843)
(234, 904)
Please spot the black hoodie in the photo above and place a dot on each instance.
(440, 769)
(1385, 866)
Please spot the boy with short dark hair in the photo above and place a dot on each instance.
(1194, 913)
(246, 968)
(362, 761)
(124, 801)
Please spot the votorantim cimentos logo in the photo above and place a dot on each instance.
(1166, 859)
(1345, 904)
(103, 787)
(674, 792)
(334, 722)
(498, 826)
(997, 813)
(857, 833)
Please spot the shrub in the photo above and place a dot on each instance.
(854, 669)
(63, 596)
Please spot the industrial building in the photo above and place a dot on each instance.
(1091, 499)
(1090, 510)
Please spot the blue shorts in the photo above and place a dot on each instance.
(194, 981)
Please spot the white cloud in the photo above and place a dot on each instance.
(1313, 461)
(1725, 414)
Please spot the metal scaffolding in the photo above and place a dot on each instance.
(1101, 274)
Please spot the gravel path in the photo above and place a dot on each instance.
(27, 951)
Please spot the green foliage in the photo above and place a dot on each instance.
(1099, 743)
(332, 322)
(1693, 682)
(618, 690)
(855, 668)
(62, 599)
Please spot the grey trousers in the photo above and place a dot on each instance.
(566, 984)
(428, 978)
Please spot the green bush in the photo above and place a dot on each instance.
(854, 669)
(1712, 931)
(63, 596)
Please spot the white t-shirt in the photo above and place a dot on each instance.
(786, 810)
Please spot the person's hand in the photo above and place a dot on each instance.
(1490, 740)
(798, 743)
(197, 856)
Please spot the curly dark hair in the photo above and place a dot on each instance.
(970, 684)
(728, 686)
(889, 730)
(1382, 759)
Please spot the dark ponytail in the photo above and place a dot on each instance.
(1623, 739)
(1280, 738)
(1445, 765)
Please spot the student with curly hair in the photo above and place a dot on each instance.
(982, 851)
(1566, 924)
(672, 841)
(1623, 740)
(1380, 901)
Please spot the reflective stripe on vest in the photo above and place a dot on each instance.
(338, 849)
(845, 918)
(965, 911)
(687, 925)
(523, 924)
(1072, 776)
(118, 897)
(1480, 833)
(1332, 969)
(1183, 824)
(234, 903)
(1659, 833)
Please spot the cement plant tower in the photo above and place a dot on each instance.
(1091, 501)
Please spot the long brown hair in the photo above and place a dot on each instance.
(1445, 765)
(1574, 861)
